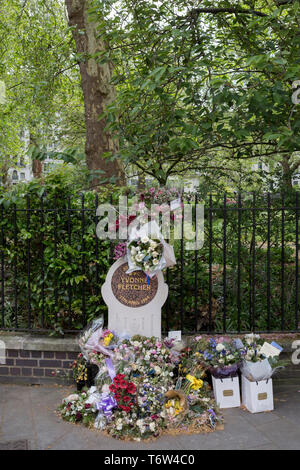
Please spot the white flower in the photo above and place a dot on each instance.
(157, 370)
(155, 254)
(230, 357)
(249, 355)
(72, 397)
(220, 347)
(140, 257)
(152, 426)
(145, 239)
(155, 262)
(251, 337)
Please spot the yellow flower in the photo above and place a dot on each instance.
(196, 383)
(108, 339)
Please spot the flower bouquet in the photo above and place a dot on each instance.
(261, 359)
(146, 254)
(221, 358)
(75, 408)
(80, 371)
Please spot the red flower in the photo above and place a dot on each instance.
(131, 388)
(154, 417)
(125, 408)
(87, 406)
(118, 396)
(127, 220)
(126, 398)
(112, 388)
(119, 376)
(123, 384)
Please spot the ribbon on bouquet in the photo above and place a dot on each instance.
(106, 405)
(110, 368)
(147, 278)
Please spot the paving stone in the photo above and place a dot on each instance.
(285, 434)
(28, 414)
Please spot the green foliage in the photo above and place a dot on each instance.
(63, 267)
(203, 90)
(196, 313)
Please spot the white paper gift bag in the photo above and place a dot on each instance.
(227, 392)
(257, 396)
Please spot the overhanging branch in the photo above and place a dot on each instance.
(216, 11)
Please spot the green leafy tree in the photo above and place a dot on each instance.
(203, 86)
(40, 70)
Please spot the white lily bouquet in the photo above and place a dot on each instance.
(145, 250)
(146, 254)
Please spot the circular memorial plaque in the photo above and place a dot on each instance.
(133, 289)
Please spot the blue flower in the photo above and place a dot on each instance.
(207, 356)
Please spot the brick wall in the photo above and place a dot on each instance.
(35, 360)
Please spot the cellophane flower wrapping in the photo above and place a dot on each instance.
(257, 365)
(90, 335)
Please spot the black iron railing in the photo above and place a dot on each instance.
(244, 278)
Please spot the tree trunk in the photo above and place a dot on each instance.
(97, 93)
(37, 165)
(287, 173)
(37, 168)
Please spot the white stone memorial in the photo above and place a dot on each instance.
(134, 304)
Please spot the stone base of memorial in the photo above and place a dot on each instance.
(134, 301)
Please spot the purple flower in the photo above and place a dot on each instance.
(169, 343)
(120, 250)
